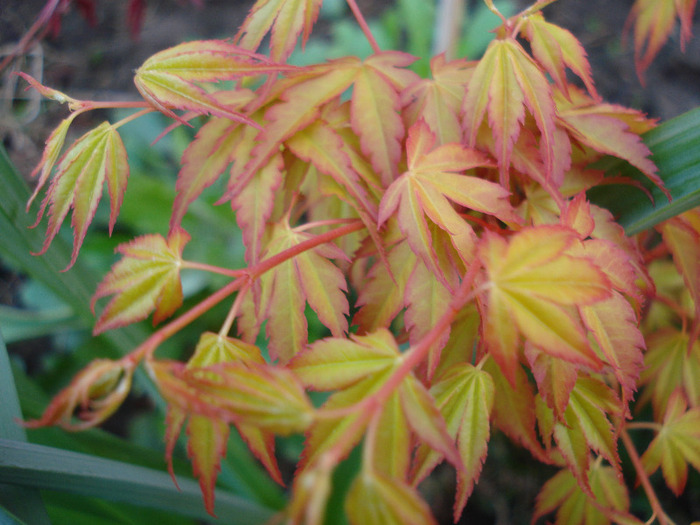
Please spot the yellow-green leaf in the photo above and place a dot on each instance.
(146, 279)
(375, 499)
(94, 158)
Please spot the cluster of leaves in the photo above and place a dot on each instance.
(491, 295)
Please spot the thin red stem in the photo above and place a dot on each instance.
(644, 479)
(418, 353)
(149, 345)
(363, 25)
(191, 265)
(263, 266)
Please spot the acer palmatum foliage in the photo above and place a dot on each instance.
(491, 295)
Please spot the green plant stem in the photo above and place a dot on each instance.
(363, 25)
(644, 479)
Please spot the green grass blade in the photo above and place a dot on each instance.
(23, 504)
(7, 518)
(44, 467)
(675, 147)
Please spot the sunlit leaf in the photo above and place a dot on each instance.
(556, 48)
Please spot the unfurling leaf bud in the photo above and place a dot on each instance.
(95, 393)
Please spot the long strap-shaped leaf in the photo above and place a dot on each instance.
(15, 502)
(675, 147)
(38, 466)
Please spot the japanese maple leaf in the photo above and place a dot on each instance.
(676, 445)
(437, 100)
(504, 83)
(358, 368)
(422, 192)
(285, 20)
(146, 279)
(376, 85)
(609, 501)
(531, 284)
(308, 277)
(96, 158)
(556, 48)
(653, 22)
(170, 79)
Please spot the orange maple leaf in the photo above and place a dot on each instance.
(422, 192)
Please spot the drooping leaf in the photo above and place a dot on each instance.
(146, 279)
(51, 153)
(284, 20)
(426, 420)
(555, 379)
(514, 408)
(465, 397)
(653, 23)
(427, 299)
(375, 110)
(341, 434)
(299, 106)
(556, 48)
(609, 129)
(320, 145)
(264, 396)
(206, 158)
(505, 81)
(375, 499)
(205, 447)
(169, 79)
(94, 158)
(533, 282)
(676, 445)
(309, 276)
(614, 327)
(254, 204)
(573, 506)
(391, 442)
